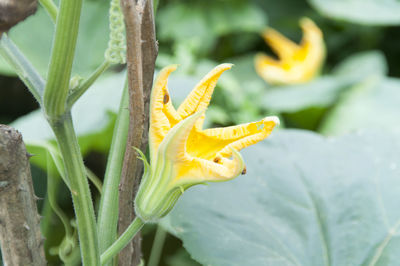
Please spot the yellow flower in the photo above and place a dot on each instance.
(297, 63)
(182, 154)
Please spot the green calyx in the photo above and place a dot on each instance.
(159, 191)
(156, 197)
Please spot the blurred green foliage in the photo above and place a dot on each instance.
(358, 89)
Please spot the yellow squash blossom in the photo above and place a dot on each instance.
(297, 63)
(182, 154)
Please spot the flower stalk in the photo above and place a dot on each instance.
(76, 174)
(122, 241)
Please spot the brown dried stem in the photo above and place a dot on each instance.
(15, 11)
(141, 55)
(20, 238)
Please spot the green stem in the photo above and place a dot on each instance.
(95, 180)
(45, 222)
(62, 56)
(25, 71)
(76, 174)
(157, 247)
(155, 6)
(51, 9)
(78, 92)
(52, 192)
(122, 241)
(108, 212)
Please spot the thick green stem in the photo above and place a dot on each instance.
(108, 212)
(122, 241)
(76, 174)
(62, 56)
(158, 244)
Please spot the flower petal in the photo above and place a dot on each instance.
(173, 147)
(297, 63)
(312, 48)
(272, 71)
(312, 35)
(266, 127)
(199, 98)
(162, 114)
(200, 170)
(282, 46)
(217, 142)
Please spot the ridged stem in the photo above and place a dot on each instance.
(62, 56)
(76, 174)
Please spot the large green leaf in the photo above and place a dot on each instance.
(373, 103)
(35, 36)
(370, 12)
(306, 200)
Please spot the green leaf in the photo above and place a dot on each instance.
(34, 37)
(321, 92)
(181, 258)
(368, 12)
(362, 64)
(306, 200)
(373, 103)
(193, 24)
(324, 91)
(41, 149)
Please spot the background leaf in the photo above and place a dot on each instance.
(34, 37)
(305, 201)
(371, 104)
(370, 12)
(324, 91)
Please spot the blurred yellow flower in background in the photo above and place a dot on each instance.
(182, 154)
(298, 63)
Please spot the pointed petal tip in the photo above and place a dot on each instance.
(225, 66)
(216, 71)
(170, 68)
(307, 25)
(305, 21)
(274, 119)
(270, 34)
(221, 68)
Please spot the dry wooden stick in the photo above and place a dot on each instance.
(14, 11)
(141, 55)
(20, 237)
